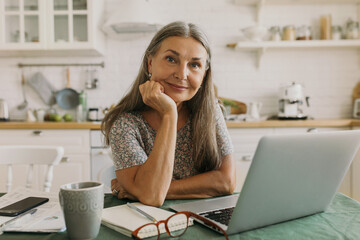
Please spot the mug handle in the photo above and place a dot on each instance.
(61, 200)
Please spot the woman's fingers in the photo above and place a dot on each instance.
(118, 191)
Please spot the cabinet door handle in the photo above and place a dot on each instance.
(38, 133)
(65, 159)
(104, 152)
(312, 130)
(246, 158)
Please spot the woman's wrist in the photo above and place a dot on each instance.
(170, 115)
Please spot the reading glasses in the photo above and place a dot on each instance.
(175, 226)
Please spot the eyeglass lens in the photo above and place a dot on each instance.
(176, 226)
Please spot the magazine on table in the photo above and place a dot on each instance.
(48, 217)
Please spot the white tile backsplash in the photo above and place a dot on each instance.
(328, 75)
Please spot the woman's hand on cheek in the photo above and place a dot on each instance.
(153, 95)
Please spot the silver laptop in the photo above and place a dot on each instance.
(291, 176)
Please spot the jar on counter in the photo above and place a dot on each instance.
(93, 114)
(303, 33)
(336, 32)
(352, 29)
(289, 33)
(275, 33)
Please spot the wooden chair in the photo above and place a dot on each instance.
(30, 155)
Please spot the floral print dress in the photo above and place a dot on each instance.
(132, 140)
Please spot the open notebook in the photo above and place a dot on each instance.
(125, 220)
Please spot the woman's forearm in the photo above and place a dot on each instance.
(152, 179)
(204, 185)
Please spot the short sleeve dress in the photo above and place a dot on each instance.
(132, 140)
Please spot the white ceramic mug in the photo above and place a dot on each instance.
(40, 114)
(82, 205)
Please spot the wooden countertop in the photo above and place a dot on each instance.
(230, 124)
(295, 123)
(49, 125)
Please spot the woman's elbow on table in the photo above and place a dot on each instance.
(232, 185)
(228, 175)
(154, 200)
(229, 184)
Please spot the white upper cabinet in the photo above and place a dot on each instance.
(52, 27)
(22, 24)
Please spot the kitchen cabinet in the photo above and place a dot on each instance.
(21, 24)
(355, 174)
(245, 141)
(261, 47)
(56, 27)
(74, 167)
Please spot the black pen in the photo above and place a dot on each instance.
(2, 226)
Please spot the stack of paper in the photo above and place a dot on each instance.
(47, 218)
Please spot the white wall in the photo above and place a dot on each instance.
(328, 75)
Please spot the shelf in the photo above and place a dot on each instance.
(260, 4)
(85, 52)
(294, 2)
(296, 44)
(261, 47)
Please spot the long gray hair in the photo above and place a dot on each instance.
(202, 106)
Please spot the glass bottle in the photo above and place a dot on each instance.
(82, 107)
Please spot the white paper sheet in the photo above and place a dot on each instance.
(47, 218)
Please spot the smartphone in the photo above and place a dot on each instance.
(22, 206)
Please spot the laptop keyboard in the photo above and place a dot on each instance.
(222, 215)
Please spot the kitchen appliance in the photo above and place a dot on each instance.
(4, 111)
(291, 103)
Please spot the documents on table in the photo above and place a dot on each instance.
(47, 218)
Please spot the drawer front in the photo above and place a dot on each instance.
(97, 139)
(309, 129)
(245, 140)
(73, 141)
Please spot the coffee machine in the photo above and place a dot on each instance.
(292, 103)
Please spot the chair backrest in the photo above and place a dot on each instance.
(105, 175)
(31, 155)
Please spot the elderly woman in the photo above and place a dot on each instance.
(168, 136)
